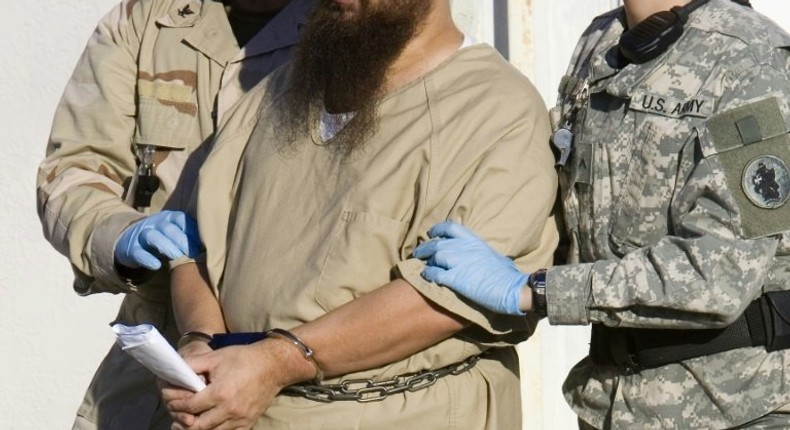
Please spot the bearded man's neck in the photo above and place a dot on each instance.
(436, 40)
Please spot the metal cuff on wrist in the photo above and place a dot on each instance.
(192, 336)
(308, 353)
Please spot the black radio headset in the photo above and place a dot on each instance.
(656, 33)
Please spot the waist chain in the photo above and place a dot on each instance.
(366, 390)
(766, 322)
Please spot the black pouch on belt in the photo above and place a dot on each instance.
(776, 317)
(766, 322)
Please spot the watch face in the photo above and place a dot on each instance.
(538, 278)
(537, 283)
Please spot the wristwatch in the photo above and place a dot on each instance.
(537, 283)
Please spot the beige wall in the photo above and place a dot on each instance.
(52, 339)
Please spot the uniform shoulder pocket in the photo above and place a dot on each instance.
(752, 146)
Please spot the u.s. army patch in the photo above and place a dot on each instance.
(697, 106)
(766, 181)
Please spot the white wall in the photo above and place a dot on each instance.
(52, 340)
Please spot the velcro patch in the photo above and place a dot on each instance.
(746, 125)
(701, 107)
(165, 91)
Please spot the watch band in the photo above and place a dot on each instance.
(537, 283)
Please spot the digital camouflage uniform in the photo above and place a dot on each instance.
(154, 72)
(672, 220)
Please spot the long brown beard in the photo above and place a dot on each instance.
(341, 65)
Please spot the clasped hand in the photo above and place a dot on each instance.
(460, 260)
(168, 234)
(241, 386)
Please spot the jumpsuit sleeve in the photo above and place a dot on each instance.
(504, 191)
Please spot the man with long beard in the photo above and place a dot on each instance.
(388, 121)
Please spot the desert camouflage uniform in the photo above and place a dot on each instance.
(664, 218)
(158, 72)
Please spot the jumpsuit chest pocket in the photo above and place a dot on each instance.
(641, 214)
(364, 248)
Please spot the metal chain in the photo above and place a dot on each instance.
(366, 390)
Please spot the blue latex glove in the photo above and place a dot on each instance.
(460, 260)
(167, 234)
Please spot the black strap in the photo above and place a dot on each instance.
(649, 348)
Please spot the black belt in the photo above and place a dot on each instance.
(766, 322)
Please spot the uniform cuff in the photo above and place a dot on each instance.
(567, 294)
(102, 246)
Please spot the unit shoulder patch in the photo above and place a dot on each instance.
(759, 178)
(766, 181)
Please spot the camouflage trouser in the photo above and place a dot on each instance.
(778, 420)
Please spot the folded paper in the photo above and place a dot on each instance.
(146, 345)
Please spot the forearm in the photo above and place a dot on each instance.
(194, 305)
(83, 222)
(706, 282)
(381, 327)
(89, 154)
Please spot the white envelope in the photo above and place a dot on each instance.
(149, 347)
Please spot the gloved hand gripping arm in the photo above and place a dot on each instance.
(460, 260)
(167, 234)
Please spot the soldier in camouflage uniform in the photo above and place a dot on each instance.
(157, 74)
(674, 181)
